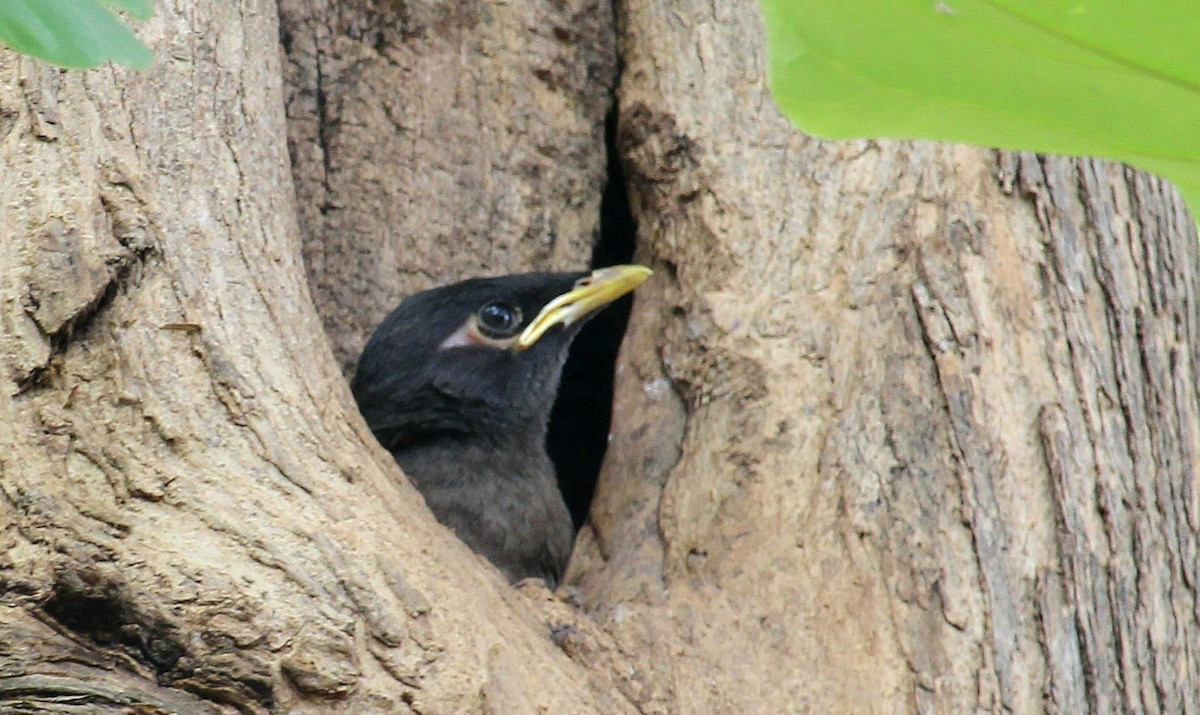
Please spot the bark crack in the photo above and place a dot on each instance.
(75, 281)
(977, 467)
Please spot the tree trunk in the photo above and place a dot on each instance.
(195, 518)
(899, 427)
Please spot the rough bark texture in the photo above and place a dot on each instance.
(437, 141)
(900, 428)
(192, 514)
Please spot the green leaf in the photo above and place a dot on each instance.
(141, 9)
(1106, 78)
(73, 33)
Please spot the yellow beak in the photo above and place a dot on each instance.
(590, 294)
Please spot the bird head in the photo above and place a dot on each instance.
(479, 356)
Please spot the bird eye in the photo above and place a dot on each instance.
(499, 320)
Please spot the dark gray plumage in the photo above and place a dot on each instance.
(458, 383)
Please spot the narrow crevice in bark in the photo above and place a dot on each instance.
(578, 435)
(59, 335)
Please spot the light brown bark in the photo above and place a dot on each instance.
(193, 516)
(900, 427)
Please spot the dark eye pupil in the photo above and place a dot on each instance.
(499, 318)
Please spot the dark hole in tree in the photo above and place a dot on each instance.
(98, 610)
(96, 616)
(578, 434)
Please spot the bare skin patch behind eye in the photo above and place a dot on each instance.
(469, 336)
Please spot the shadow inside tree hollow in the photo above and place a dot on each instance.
(578, 433)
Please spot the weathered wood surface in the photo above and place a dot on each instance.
(901, 427)
(193, 516)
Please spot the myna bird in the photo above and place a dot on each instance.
(458, 383)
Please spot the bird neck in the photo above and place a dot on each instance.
(464, 456)
(518, 440)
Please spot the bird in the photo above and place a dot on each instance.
(458, 382)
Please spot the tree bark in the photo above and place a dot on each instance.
(194, 517)
(899, 427)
